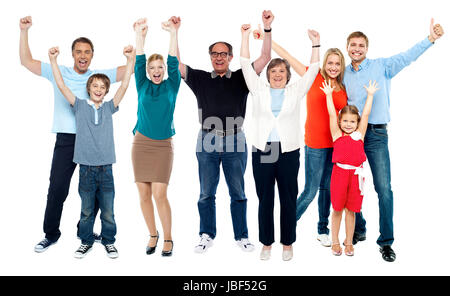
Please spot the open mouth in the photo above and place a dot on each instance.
(156, 77)
(82, 63)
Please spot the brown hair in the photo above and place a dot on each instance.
(357, 34)
(340, 77)
(82, 40)
(101, 77)
(276, 62)
(349, 109)
(230, 48)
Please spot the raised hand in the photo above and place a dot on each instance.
(372, 88)
(176, 21)
(327, 89)
(129, 51)
(168, 26)
(258, 34)
(141, 27)
(314, 36)
(436, 31)
(245, 29)
(53, 52)
(267, 18)
(25, 23)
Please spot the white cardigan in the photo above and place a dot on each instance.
(288, 120)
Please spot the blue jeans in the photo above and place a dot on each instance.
(231, 151)
(376, 148)
(318, 168)
(97, 183)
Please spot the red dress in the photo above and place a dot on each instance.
(344, 186)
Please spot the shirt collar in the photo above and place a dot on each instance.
(214, 74)
(361, 66)
(93, 104)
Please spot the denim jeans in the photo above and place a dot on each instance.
(231, 152)
(377, 152)
(318, 168)
(97, 183)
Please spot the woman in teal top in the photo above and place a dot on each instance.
(152, 152)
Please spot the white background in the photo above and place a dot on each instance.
(418, 137)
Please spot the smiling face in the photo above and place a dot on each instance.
(156, 70)
(348, 123)
(278, 76)
(220, 62)
(357, 49)
(97, 90)
(333, 66)
(82, 54)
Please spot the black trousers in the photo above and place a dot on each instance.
(60, 176)
(282, 168)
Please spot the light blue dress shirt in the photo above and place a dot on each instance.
(381, 70)
(277, 102)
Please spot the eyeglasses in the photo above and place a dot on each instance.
(216, 54)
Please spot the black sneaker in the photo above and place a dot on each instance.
(358, 237)
(111, 251)
(82, 251)
(97, 238)
(43, 245)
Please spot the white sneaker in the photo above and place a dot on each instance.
(324, 240)
(205, 242)
(287, 255)
(245, 245)
(265, 254)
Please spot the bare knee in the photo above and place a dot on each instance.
(145, 192)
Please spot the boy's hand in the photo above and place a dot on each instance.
(53, 53)
(141, 27)
(372, 88)
(258, 34)
(267, 18)
(25, 23)
(245, 29)
(129, 52)
(327, 89)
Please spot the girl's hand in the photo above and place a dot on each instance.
(258, 34)
(327, 89)
(372, 88)
(245, 29)
(314, 36)
(129, 51)
(53, 53)
(141, 27)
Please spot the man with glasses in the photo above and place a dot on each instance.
(221, 98)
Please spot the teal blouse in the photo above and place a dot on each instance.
(156, 102)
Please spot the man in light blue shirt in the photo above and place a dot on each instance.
(382, 70)
(63, 122)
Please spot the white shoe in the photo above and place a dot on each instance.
(324, 240)
(205, 242)
(287, 255)
(245, 245)
(265, 254)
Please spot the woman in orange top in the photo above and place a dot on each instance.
(318, 141)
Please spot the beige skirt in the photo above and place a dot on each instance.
(152, 159)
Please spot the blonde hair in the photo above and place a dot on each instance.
(340, 77)
(154, 57)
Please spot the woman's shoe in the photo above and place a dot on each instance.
(336, 249)
(265, 254)
(349, 251)
(287, 254)
(151, 250)
(167, 253)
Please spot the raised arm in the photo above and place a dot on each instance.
(67, 93)
(371, 89)
(334, 126)
(141, 29)
(130, 53)
(264, 58)
(169, 26)
(176, 21)
(26, 59)
(250, 75)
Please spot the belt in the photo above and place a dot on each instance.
(384, 125)
(223, 133)
(359, 171)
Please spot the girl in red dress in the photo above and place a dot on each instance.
(346, 186)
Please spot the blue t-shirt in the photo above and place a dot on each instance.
(94, 143)
(63, 116)
(277, 102)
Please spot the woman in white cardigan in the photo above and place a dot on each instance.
(275, 133)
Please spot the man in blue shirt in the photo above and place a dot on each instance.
(63, 122)
(382, 70)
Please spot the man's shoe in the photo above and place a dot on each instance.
(245, 245)
(387, 253)
(357, 237)
(324, 240)
(205, 242)
(43, 245)
(82, 251)
(111, 251)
